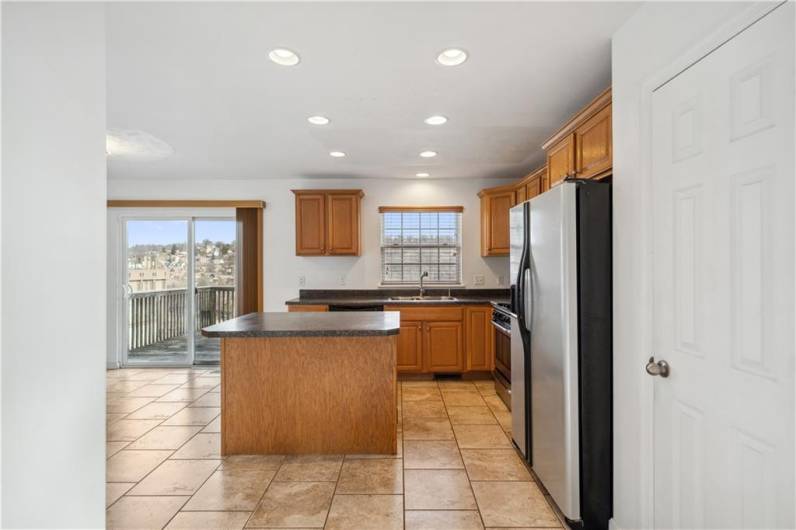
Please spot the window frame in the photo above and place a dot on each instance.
(457, 282)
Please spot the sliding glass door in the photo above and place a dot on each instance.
(215, 266)
(173, 288)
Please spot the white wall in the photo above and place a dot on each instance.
(282, 267)
(53, 275)
(651, 40)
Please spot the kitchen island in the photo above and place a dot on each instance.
(294, 383)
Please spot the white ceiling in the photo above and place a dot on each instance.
(197, 76)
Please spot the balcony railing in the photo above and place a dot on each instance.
(157, 316)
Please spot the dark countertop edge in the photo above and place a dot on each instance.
(301, 333)
(353, 302)
(286, 324)
(385, 302)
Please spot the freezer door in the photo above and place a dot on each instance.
(519, 334)
(554, 348)
(517, 241)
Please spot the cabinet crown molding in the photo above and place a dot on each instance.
(594, 106)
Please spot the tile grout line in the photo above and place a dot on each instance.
(466, 473)
(262, 497)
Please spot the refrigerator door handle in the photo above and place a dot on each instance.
(527, 298)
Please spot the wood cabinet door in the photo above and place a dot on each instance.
(519, 194)
(310, 224)
(497, 223)
(561, 160)
(478, 344)
(593, 145)
(307, 308)
(442, 346)
(410, 347)
(343, 224)
(533, 187)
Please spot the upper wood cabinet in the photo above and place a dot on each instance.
(532, 185)
(520, 193)
(495, 206)
(561, 160)
(343, 223)
(328, 222)
(594, 149)
(583, 147)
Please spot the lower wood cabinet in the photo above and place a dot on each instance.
(306, 308)
(445, 339)
(479, 339)
(410, 347)
(442, 346)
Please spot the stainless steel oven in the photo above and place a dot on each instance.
(501, 321)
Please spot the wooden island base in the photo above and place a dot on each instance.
(299, 395)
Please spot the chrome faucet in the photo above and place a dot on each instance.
(422, 289)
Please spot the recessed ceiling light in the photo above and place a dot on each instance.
(452, 57)
(422, 175)
(428, 154)
(284, 57)
(436, 120)
(318, 120)
(336, 154)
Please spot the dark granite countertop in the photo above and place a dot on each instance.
(346, 324)
(365, 297)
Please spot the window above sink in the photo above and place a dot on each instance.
(417, 240)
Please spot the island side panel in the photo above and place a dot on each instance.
(295, 395)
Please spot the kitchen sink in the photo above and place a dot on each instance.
(423, 298)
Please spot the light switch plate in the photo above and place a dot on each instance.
(342, 279)
(501, 280)
(302, 280)
(478, 279)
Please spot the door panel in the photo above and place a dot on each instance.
(443, 346)
(215, 259)
(723, 283)
(158, 304)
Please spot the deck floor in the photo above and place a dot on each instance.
(175, 349)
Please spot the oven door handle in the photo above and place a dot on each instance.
(501, 329)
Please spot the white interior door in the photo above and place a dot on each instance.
(723, 199)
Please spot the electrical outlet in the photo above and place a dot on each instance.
(501, 280)
(302, 280)
(342, 279)
(478, 280)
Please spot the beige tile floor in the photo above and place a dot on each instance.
(455, 469)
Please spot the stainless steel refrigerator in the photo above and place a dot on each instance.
(561, 351)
